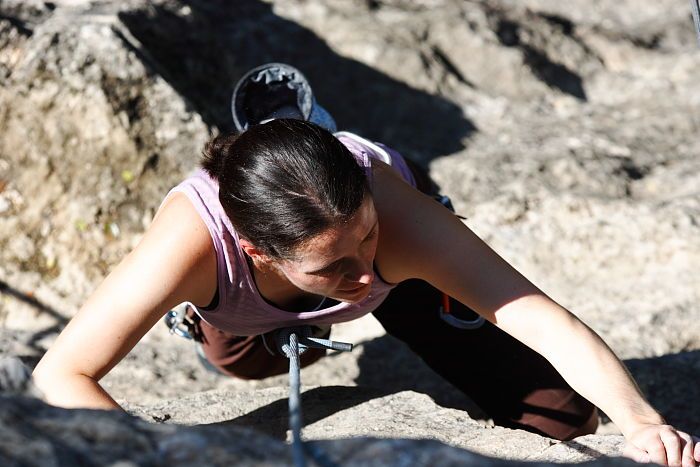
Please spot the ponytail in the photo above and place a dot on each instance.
(215, 152)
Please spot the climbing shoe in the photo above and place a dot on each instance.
(276, 90)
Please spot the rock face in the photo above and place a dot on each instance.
(34, 433)
(43, 435)
(567, 133)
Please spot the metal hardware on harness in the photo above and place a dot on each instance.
(461, 323)
(452, 320)
(179, 323)
(292, 342)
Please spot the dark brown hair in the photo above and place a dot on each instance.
(283, 182)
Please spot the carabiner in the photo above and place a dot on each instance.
(178, 322)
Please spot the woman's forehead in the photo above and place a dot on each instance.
(338, 241)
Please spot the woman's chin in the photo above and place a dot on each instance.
(353, 295)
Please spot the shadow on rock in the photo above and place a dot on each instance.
(670, 383)
(317, 403)
(390, 366)
(32, 341)
(203, 47)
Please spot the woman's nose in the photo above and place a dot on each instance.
(366, 278)
(363, 273)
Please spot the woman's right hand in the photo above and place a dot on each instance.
(174, 262)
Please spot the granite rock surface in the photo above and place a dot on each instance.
(566, 133)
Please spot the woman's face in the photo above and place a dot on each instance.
(338, 263)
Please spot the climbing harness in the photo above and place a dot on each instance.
(447, 316)
(292, 342)
(695, 5)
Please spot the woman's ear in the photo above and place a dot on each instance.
(258, 256)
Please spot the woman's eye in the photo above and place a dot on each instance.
(329, 270)
(371, 235)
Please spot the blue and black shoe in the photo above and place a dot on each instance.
(276, 90)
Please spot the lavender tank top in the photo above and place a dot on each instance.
(241, 310)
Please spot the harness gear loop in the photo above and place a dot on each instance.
(452, 320)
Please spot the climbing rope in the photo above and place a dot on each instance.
(695, 4)
(292, 342)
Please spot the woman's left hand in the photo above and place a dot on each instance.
(664, 445)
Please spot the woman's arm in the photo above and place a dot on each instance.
(173, 263)
(445, 253)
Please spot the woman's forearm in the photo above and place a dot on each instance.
(74, 391)
(592, 369)
(582, 358)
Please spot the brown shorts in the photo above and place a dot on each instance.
(248, 357)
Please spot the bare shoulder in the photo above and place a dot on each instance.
(176, 206)
(405, 218)
(178, 228)
(420, 238)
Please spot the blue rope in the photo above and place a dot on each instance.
(291, 350)
(292, 342)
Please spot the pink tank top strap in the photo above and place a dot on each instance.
(365, 151)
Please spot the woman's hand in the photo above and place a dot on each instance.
(664, 445)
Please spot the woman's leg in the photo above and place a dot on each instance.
(516, 386)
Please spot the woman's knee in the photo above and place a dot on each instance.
(564, 419)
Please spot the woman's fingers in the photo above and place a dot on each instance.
(696, 440)
(687, 459)
(656, 450)
(671, 445)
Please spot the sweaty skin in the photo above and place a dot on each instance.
(419, 239)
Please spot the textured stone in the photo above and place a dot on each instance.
(35, 434)
(567, 133)
(15, 378)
